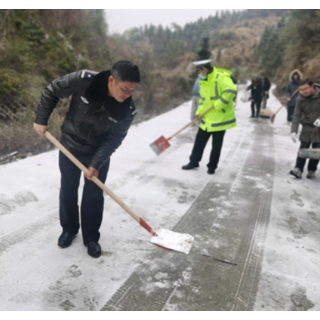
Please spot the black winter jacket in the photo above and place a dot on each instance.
(256, 92)
(96, 123)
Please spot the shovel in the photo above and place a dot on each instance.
(274, 115)
(162, 238)
(161, 144)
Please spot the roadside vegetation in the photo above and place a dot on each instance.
(36, 46)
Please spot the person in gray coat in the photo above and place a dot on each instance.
(307, 113)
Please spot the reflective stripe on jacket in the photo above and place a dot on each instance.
(218, 90)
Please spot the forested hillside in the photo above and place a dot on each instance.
(37, 46)
(293, 43)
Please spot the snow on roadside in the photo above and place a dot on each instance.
(46, 277)
(290, 278)
(36, 275)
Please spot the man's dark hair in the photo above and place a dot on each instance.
(125, 71)
(306, 81)
(209, 67)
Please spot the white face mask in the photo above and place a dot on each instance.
(202, 77)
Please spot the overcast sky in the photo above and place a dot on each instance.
(120, 20)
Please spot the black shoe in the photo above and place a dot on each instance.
(296, 172)
(190, 166)
(65, 239)
(211, 171)
(94, 249)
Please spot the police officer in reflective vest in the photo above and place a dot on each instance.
(216, 89)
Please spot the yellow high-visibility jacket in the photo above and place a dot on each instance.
(218, 90)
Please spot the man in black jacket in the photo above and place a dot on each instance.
(256, 91)
(99, 116)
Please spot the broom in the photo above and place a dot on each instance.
(274, 115)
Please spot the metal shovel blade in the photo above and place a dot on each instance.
(160, 145)
(174, 241)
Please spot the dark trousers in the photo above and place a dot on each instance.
(202, 138)
(255, 108)
(290, 113)
(91, 203)
(313, 163)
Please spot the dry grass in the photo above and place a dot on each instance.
(20, 136)
(311, 68)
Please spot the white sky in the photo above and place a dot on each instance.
(120, 20)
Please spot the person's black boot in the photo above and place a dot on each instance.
(65, 239)
(211, 171)
(189, 166)
(94, 249)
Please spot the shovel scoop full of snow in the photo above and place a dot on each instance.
(174, 241)
(160, 145)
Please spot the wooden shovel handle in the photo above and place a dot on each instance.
(190, 123)
(97, 181)
(288, 101)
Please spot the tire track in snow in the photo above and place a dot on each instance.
(239, 238)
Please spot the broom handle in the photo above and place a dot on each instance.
(68, 154)
(288, 100)
(190, 123)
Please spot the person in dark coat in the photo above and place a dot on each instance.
(100, 114)
(256, 91)
(307, 113)
(265, 91)
(291, 88)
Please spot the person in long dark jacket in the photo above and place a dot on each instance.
(307, 113)
(265, 91)
(100, 113)
(291, 88)
(256, 91)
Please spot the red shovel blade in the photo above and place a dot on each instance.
(272, 117)
(160, 145)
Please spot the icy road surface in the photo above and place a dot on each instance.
(251, 213)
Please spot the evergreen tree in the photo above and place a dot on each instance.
(204, 52)
(270, 50)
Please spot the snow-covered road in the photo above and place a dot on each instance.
(35, 274)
